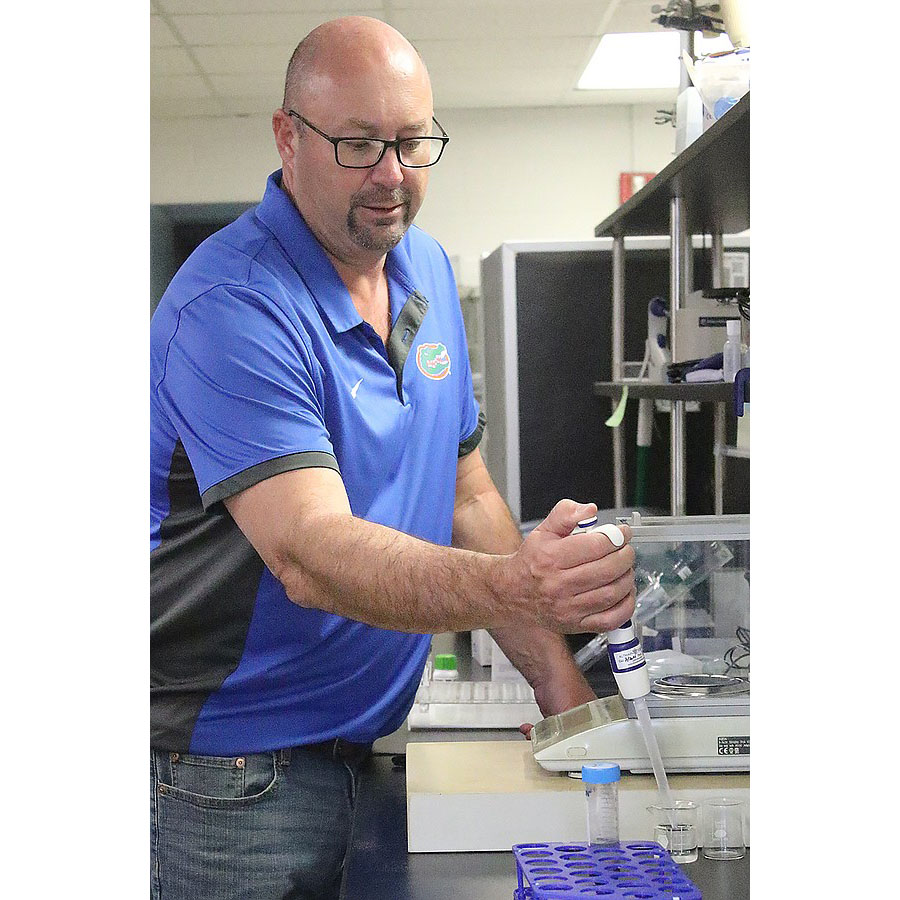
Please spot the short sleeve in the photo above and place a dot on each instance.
(243, 391)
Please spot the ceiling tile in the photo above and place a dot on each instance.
(632, 17)
(261, 84)
(662, 97)
(513, 79)
(171, 61)
(250, 105)
(160, 34)
(493, 97)
(470, 89)
(331, 8)
(236, 60)
(507, 20)
(184, 86)
(484, 53)
(489, 53)
(181, 108)
(260, 28)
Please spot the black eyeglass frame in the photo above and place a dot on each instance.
(395, 144)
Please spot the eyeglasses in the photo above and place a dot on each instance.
(364, 153)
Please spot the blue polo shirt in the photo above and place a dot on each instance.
(261, 364)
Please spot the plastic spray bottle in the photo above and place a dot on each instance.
(731, 352)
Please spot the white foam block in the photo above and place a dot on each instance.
(489, 795)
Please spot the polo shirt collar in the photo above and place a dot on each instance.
(282, 218)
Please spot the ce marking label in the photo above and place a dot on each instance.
(734, 746)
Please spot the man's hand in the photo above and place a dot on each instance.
(573, 583)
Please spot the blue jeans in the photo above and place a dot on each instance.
(265, 826)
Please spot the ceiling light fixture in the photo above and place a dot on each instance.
(641, 61)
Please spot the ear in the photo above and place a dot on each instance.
(284, 131)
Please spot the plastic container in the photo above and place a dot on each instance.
(688, 118)
(661, 663)
(721, 80)
(601, 791)
(620, 871)
(482, 645)
(445, 667)
(731, 352)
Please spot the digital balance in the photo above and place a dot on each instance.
(695, 595)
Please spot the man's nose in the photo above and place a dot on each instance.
(388, 170)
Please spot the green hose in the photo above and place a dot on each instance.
(640, 479)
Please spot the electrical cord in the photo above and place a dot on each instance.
(738, 657)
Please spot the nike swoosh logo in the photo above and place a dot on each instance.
(355, 388)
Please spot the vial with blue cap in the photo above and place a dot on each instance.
(601, 790)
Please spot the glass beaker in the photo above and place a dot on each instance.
(675, 829)
(723, 828)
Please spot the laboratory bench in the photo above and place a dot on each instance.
(378, 866)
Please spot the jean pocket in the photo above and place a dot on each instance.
(221, 782)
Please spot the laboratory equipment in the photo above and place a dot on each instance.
(661, 663)
(445, 667)
(624, 870)
(629, 668)
(547, 324)
(601, 792)
(656, 353)
(589, 526)
(657, 357)
(700, 609)
(626, 659)
(688, 118)
(731, 351)
(473, 704)
(723, 828)
(675, 829)
(663, 578)
(700, 324)
(482, 644)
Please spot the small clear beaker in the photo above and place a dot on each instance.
(675, 829)
(723, 828)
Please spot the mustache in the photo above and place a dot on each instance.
(381, 198)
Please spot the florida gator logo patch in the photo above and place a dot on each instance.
(433, 361)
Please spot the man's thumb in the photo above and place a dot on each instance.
(565, 516)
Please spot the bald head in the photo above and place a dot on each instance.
(351, 47)
(360, 80)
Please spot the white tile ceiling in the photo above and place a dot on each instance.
(227, 57)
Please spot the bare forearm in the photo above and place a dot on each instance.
(384, 577)
(301, 525)
(534, 651)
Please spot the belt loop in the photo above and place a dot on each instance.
(284, 757)
(164, 773)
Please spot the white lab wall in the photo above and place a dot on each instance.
(508, 174)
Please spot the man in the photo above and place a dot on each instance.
(313, 457)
